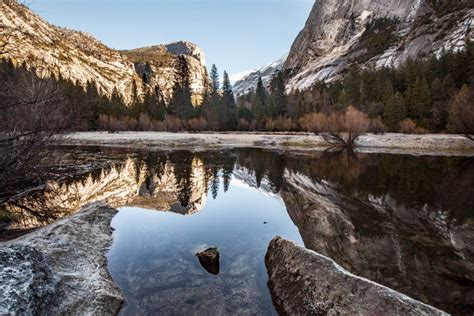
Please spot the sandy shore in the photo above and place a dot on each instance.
(431, 144)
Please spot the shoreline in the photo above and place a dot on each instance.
(429, 144)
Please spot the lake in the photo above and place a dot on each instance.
(406, 222)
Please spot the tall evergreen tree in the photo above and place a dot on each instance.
(279, 97)
(352, 85)
(181, 104)
(394, 111)
(258, 104)
(228, 110)
(215, 84)
(439, 109)
(387, 91)
(211, 104)
(342, 100)
(117, 107)
(92, 100)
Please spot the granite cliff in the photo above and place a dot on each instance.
(26, 39)
(375, 33)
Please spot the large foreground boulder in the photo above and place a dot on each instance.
(303, 282)
(61, 268)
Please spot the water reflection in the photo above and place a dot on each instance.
(153, 258)
(406, 222)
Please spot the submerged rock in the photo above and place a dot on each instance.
(303, 282)
(209, 260)
(61, 268)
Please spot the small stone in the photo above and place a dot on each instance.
(209, 260)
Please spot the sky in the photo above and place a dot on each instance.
(236, 35)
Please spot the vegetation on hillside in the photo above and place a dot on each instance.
(422, 95)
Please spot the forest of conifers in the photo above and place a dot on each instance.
(422, 95)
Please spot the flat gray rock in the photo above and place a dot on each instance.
(303, 282)
(61, 268)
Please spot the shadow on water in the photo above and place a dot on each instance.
(403, 221)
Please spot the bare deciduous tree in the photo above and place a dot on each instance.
(338, 129)
(461, 114)
(32, 114)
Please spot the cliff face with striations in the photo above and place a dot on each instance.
(374, 32)
(80, 58)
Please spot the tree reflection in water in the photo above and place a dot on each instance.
(403, 221)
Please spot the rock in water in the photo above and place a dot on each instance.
(209, 260)
(303, 282)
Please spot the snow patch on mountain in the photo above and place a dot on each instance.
(250, 79)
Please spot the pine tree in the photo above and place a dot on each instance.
(137, 107)
(424, 102)
(448, 84)
(117, 107)
(342, 100)
(387, 91)
(92, 100)
(228, 110)
(394, 111)
(212, 99)
(438, 91)
(352, 84)
(214, 79)
(258, 104)
(279, 97)
(181, 104)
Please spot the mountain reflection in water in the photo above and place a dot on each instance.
(403, 221)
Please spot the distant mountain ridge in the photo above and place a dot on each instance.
(250, 80)
(340, 33)
(80, 58)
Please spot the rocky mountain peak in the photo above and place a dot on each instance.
(187, 48)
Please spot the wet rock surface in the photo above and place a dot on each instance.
(61, 268)
(304, 282)
(209, 260)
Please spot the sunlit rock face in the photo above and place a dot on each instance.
(122, 184)
(80, 58)
(394, 244)
(156, 66)
(338, 34)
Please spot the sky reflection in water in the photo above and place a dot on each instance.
(153, 256)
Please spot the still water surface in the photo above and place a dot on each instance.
(403, 221)
(153, 255)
